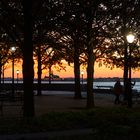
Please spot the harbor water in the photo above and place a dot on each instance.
(95, 84)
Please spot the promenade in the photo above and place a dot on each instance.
(57, 101)
(64, 101)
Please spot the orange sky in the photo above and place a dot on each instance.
(99, 72)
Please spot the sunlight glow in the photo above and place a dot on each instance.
(99, 72)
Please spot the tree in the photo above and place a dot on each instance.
(94, 15)
(8, 30)
(3, 58)
(45, 22)
(124, 19)
(28, 71)
(69, 26)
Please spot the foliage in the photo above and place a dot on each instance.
(124, 18)
(110, 24)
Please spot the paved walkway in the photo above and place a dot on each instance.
(64, 101)
(57, 101)
(61, 101)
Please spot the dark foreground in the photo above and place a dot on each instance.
(61, 117)
(100, 124)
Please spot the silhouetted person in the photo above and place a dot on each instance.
(117, 91)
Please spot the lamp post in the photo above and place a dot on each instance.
(13, 49)
(17, 75)
(130, 40)
(82, 74)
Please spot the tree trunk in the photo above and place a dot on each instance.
(39, 72)
(50, 75)
(28, 71)
(77, 73)
(90, 97)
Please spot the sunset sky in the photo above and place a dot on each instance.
(99, 72)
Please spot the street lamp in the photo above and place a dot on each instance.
(82, 74)
(17, 75)
(130, 39)
(13, 49)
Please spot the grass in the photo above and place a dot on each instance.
(107, 123)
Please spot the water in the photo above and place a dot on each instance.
(95, 84)
(136, 86)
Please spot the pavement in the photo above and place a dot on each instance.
(54, 101)
(60, 101)
(64, 101)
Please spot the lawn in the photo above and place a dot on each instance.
(106, 123)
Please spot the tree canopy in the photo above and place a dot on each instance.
(79, 31)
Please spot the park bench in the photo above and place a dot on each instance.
(104, 87)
